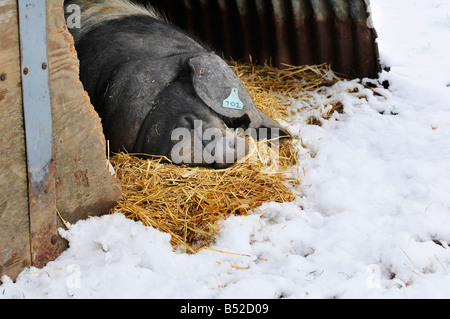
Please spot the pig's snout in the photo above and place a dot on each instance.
(219, 148)
(228, 150)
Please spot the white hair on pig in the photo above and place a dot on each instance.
(96, 12)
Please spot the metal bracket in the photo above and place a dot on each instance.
(38, 131)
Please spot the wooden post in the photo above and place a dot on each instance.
(83, 184)
(38, 131)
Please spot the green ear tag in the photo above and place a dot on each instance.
(233, 101)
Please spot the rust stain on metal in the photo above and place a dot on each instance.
(283, 51)
(43, 222)
(303, 27)
(283, 31)
(38, 125)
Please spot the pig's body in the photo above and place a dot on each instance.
(147, 79)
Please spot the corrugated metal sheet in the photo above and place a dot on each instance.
(284, 31)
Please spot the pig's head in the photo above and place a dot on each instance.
(189, 114)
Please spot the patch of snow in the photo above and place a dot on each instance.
(375, 218)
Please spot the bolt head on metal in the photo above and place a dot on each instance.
(44, 65)
(25, 70)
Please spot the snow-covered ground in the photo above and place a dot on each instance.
(376, 212)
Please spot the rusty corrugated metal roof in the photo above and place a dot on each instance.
(294, 32)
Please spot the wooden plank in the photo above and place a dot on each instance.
(14, 222)
(38, 132)
(84, 186)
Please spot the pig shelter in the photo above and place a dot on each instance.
(70, 180)
(76, 181)
(294, 32)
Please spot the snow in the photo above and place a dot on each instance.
(375, 216)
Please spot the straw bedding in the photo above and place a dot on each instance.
(190, 202)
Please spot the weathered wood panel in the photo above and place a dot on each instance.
(14, 223)
(84, 186)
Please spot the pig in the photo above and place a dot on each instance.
(158, 90)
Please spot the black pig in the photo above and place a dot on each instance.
(158, 90)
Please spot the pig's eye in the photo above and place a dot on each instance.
(242, 122)
(187, 121)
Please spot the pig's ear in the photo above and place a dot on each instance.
(217, 85)
(220, 89)
(277, 129)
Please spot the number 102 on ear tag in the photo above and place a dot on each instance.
(233, 101)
